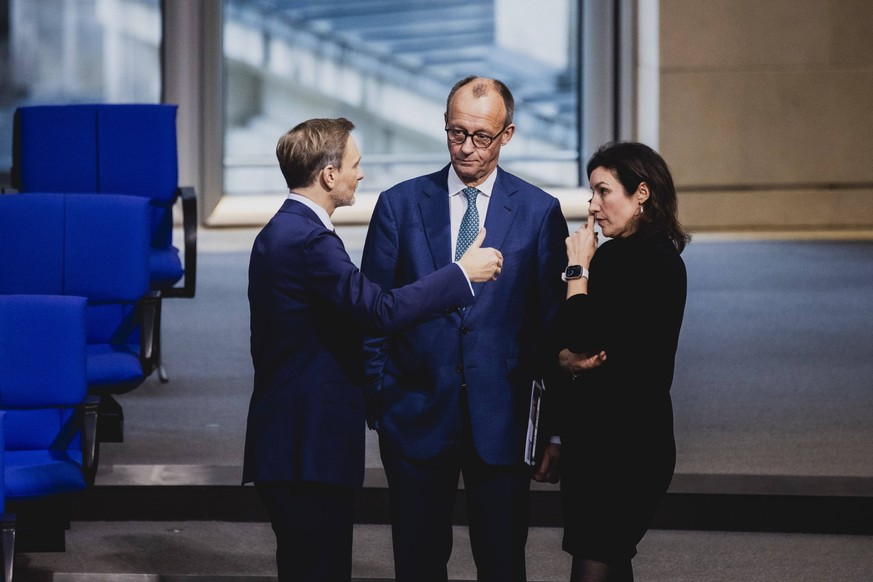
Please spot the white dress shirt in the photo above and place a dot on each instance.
(458, 202)
(318, 210)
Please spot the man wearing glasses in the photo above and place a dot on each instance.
(450, 397)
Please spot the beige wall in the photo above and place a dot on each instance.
(766, 112)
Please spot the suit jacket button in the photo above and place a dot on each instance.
(465, 330)
(459, 369)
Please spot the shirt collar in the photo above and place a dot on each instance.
(456, 184)
(318, 210)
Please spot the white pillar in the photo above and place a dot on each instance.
(648, 72)
(598, 76)
(192, 79)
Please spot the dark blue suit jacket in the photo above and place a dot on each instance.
(498, 346)
(310, 307)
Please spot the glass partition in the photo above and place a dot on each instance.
(83, 51)
(388, 65)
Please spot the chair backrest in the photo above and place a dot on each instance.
(2, 463)
(31, 244)
(106, 242)
(136, 150)
(90, 245)
(43, 370)
(55, 149)
(101, 148)
(137, 155)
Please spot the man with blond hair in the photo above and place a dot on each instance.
(310, 307)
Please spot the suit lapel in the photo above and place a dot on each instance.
(498, 220)
(433, 205)
(501, 211)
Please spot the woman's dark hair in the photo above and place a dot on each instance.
(633, 163)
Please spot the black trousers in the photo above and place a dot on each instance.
(313, 523)
(422, 496)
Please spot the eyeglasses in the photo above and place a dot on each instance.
(480, 140)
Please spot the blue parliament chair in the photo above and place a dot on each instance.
(50, 443)
(119, 149)
(95, 246)
(7, 520)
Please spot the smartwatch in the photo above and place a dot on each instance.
(574, 272)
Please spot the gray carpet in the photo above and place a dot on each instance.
(243, 552)
(773, 373)
(773, 379)
(775, 366)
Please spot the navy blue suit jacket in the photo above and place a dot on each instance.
(310, 307)
(498, 345)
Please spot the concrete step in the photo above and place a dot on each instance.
(839, 505)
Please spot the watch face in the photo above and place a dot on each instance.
(573, 271)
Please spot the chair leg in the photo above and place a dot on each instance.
(7, 530)
(162, 374)
(162, 371)
(90, 441)
(110, 420)
(151, 336)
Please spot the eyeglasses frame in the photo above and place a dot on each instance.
(472, 137)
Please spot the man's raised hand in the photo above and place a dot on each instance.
(481, 264)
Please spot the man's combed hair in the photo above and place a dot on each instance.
(481, 88)
(310, 147)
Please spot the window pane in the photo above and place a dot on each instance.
(76, 51)
(388, 65)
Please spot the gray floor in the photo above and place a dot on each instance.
(773, 372)
(773, 379)
(143, 551)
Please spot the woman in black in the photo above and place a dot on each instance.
(619, 329)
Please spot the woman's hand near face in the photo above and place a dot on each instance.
(582, 243)
(580, 248)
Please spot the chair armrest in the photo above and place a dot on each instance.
(189, 225)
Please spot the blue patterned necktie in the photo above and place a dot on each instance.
(469, 224)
